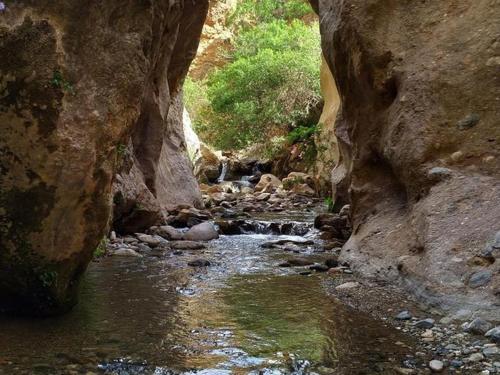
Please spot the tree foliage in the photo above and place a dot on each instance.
(270, 83)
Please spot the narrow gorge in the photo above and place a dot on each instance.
(250, 187)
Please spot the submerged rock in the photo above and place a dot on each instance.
(186, 245)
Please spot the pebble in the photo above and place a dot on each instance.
(348, 285)
(475, 357)
(494, 334)
(480, 278)
(125, 252)
(436, 365)
(491, 351)
(425, 323)
(478, 326)
(404, 315)
(199, 263)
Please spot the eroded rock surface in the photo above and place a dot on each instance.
(77, 80)
(419, 87)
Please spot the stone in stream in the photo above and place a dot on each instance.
(478, 326)
(126, 252)
(186, 245)
(404, 315)
(348, 285)
(319, 268)
(298, 262)
(332, 262)
(424, 323)
(167, 232)
(199, 263)
(202, 232)
(286, 240)
(151, 240)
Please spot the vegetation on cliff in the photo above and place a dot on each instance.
(270, 84)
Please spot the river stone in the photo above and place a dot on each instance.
(480, 278)
(494, 334)
(478, 326)
(151, 240)
(491, 351)
(299, 262)
(186, 245)
(404, 315)
(348, 285)
(436, 365)
(202, 232)
(286, 240)
(125, 252)
(424, 323)
(167, 231)
(475, 357)
(319, 267)
(332, 262)
(199, 263)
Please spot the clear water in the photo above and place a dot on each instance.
(242, 315)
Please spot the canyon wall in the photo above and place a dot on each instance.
(84, 87)
(418, 134)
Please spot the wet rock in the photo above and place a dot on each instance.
(478, 326)
(480, 278)
(202, 232)
(404, 315)
(151, 240)
(475, 357)
(186, 245)
(319, 268)
(424, 323)
(436, 365)
(332, 262)
(287, 240)
(167, 232)
(199, 263)
(126, 252)
(298, 262)
(494, 334)
(491, 351)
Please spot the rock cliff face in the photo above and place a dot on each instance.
(326, 141)
(77, 81)
(419, 141)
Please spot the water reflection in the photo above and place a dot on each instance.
(244, 315)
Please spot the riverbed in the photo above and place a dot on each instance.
(242, 315)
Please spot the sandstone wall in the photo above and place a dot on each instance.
(419, 138)
(77, 80)
(326, 141)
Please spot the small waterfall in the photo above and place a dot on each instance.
(223, 172)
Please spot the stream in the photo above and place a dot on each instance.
(241, 315)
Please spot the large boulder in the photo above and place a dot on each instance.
(419, 88)
(77, 79)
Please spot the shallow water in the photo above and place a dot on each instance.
(243, 315)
